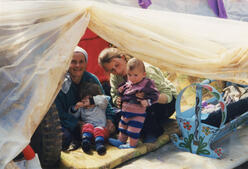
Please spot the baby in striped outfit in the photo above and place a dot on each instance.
(136, 95)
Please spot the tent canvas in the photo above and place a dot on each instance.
(34, 58)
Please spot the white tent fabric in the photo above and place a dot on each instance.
(36, 47)
(37, 39)
(194, 45)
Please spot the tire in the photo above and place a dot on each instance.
(47, 139)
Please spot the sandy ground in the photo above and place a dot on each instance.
(235, 155)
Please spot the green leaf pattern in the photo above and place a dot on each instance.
(187, 142)
(201, 146)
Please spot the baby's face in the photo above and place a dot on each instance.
(86, 102)
(135, 75)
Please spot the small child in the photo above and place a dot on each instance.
(133, 106)
(91, 110)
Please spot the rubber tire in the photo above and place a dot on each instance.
(47, 139)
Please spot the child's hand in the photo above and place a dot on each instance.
(85, 102)
(144, 103)
(78, 105)
(140, 95)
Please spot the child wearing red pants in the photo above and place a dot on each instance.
(91, 110)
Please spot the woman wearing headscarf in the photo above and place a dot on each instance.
(69, 96)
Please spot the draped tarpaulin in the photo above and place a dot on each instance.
(36, 42)
(37, 39)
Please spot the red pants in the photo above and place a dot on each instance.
(96, 131)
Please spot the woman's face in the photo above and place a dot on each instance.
(116, 66)
(78, 65)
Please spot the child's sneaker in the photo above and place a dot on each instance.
(115, 142)
(100, 148)
(86, 145)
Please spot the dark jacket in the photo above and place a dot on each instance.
(65, 100)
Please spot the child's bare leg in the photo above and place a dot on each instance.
(122, 138)
(133, 131)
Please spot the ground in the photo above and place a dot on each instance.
(170, 157)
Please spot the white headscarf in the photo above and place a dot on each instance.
(81, 50)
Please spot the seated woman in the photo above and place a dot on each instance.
(115, 62)
(69, 96)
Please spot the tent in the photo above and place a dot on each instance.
(34, 57)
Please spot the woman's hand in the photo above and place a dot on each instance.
(162, 99)
(110, 127)
(121, 89)
(118, 102)
(80, 123)
(144, 103)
